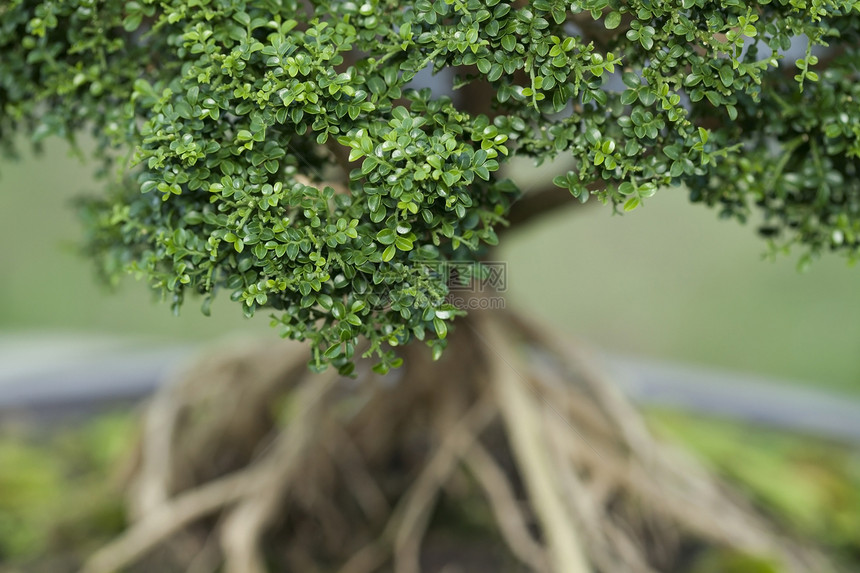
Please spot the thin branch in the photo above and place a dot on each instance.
(535, 204)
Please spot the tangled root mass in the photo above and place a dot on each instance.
(511, 453)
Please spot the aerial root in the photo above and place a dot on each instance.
(268, 467)
(405, 528)
(512, 520)
(670, 484)
(521, 412)
(256, 490)
(165, 520)
(364, 488)
(246, 522)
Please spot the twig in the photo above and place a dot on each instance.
(534, 204)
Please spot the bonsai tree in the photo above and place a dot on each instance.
(275, 152)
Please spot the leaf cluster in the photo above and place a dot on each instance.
(276, 150)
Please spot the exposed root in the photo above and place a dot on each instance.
(512, 520)
(268, 468)
(209, 558)
(672, 485)
(358, 479)
(521, 412)
(257, 488)
(408, 521)
(417, 504)
(246, 523)
(159, 425)
(170, 517)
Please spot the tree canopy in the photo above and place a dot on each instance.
(273, 149)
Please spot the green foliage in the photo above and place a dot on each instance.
(228, 119)
(53, 499)
(730, 562)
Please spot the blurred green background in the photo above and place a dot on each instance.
(669, 281)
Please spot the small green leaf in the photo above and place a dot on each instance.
(613, 19)
(403, 244)
(626, 188)
(386, 236)
(441, 327)
(726, 76)
(388, 253)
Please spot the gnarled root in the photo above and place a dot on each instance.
(265, 467)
